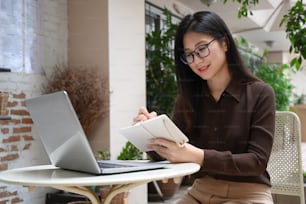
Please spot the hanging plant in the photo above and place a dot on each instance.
(296, 31)
(244, 10)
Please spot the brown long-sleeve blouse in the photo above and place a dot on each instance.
(236, 133)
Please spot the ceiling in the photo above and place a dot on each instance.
(261, 29)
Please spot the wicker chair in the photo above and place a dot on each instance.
(285, 164)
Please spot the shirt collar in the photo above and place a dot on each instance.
(233, 89)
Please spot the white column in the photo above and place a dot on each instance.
(126, 73)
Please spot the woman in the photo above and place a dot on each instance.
(227, 113)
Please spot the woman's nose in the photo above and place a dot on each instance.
(197, 59)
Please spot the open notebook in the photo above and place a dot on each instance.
(65, 141)
(160, 126)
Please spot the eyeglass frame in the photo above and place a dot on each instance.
(194, 52)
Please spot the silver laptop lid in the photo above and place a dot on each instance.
(61, 132)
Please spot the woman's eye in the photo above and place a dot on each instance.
(188, 55)
(202, 48)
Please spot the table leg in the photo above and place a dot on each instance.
(116, 189)
(92, 196)
(81, 190)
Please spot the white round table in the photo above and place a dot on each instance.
(77, 182)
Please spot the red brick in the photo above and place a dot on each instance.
(11, 139)
(19, 112)
(10, 157)
(16, 200)
(4, 194)
(15, 121)
(27, 146)
(12, 104)
(23, 103)
(28, 138)
(3, 167)
(5, 130)
(4, 122)
(2, 149)
(14, 148)
(22, 129)
(19, 96)
(27, 121)
(14, 193)
(5, 112)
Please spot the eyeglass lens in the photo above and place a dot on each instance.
(201, 51)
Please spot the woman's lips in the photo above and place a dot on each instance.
(203, 69)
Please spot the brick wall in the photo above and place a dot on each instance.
(16, 132)
(33, 39)
(19, 147)
(16, 137)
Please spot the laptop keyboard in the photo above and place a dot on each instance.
(111, 165)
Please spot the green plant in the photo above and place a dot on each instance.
(273, 74)
(244, 10)
(276, 76)
(296, 31)
(103, 155)
(160, 73)
(295, 21)
(130, 152)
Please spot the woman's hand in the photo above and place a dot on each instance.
(176, 154)
(143, 115)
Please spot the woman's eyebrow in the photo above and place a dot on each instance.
(202, 42)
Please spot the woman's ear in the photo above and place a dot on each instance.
(225, 44)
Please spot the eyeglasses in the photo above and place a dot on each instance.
(201, 51)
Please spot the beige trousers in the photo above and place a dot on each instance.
(208, 190)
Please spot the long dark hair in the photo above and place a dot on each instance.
(189, 84)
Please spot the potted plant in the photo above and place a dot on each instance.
(130, 152)
(86, 89)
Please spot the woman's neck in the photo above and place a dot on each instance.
(218, 84)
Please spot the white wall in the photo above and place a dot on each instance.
(126, 65)
(126, 73)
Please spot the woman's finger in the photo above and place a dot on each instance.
(139, 118)
(143, 110)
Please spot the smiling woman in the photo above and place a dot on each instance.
(227, 113)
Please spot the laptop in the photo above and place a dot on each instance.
(65, 142)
